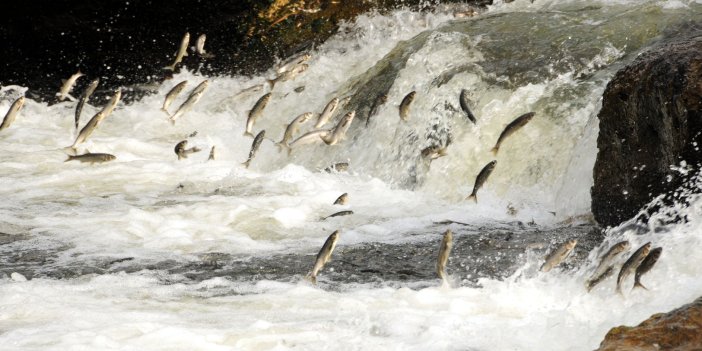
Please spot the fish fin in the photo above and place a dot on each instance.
(248, 134)
(271, 82)
(473, 197)
(69, 158)
(619, 289)
(495, 150)
(169, 68)
(165, 111)
(312, 279)
(246, 163)
(70, 149)
(281, 146)
(638, 284)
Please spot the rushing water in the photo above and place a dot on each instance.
(150, 253)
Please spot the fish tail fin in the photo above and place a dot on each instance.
(70, 149)
(443, 152)
(637, 284)
(271, 82)
(619, 289)
(165, 111)
(70, 157)
(311, 278)
(248, 134)
(281, 146)
(589, 285)
(495, 150)
(246, 163)
(473, 197)
(170, 68)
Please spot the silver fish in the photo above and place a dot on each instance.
(12, 113)
(646, 266)
(292, 128)
(339, 132)
(182, 152)
(596, 279)
(182, 51)
(463, 99)
(200, 47)
(323, 256)
(94, 122)
(338, 214)
(172, 94)
(608, 257)
(84, 98)
(327, 113)
(444, 252)
(632, 264)
(212, 154)
(254, 147)
(480, 180)
(338, 167)
(200, 87)
(91, 158)
(256, 112)
(292, 63)
(433, 152)
(190, 102)
(315, 136)
(68, 85)
(558, 255)
(342, 199)
(405, 105)
(511, 128)
(288, 75)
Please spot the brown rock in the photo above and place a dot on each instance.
(680, 329)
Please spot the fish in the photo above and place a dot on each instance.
(327, 113)
(463, 99)
(91, 158)
(309, 138)
(480, 180)
(433, 152)
(405, 105)
(646, 266)
(188, 104)
(342, 199)
(182, 51)
(511, 129)
(84, 98)
(292, 129)
(291, 63)
(558, 255)
(379, 101)
(200, 87)
(256, 112)
(68, 85)
(12, 113)
(172, 94)
(288, 75)
(212, 154)
(254, 147)
(338, 167)
(339, 132)
(200, 47)
(182, 152)
(599, 278)
(447, 75)
(444, 252)
(323, 256)
(607, 258)
(632, 264)
(338, 214)
(252, 89)
(94, 122)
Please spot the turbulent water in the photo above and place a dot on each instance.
(151, 253)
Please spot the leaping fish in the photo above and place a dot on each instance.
(90, 127)
(12, 113)
(68, 85)
(632, 264)
(194, 97)
(323, 256)
(327, 113)
(480, 180)
(405, 105)
(254, 147)
(172, 94)
(511, 128)
(444, 252)
(339, 132)
(558, 255)
(256, 112)
(182, 51)
(200, 47)
(292, 129)
(84, 98)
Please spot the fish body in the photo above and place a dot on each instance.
(339, 132)
(91, 158)
(480, 180)
(444, 252)
(646, 266)
(596, 279)
(212, 154)
(315, 136)
(327, 113)
(463, 99)
(433, 152)
(632, 264)
(84, 98)
(323, 256)
(254, 147)
(256, 112)
(342, 199)
(339, 214)
(172, 94)
(12, 113)
(379, 101)
(288, 75)
(511, 128)
(68, 85)
(182, 51)
(293, 127)
(182, 152)
(94, 122)
(293, 62)
(609, 256)
(558, 255)
(405, 105)
(188, 104)
(200, 87)
(200, 47)
(338, 167)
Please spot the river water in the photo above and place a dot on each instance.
(149, 252)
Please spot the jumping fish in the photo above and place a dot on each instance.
(212, 154)
(200, 47)
(12, 113)
(182, 51)
(292, 129)
(288, 75)
(599, 278)
(254, 147)
(558, 255)
(405, 105)
(444, 252)
(342, 199)
(323, 256)
(315, 136)
(188, 104)
(605, 263)
(182, 152)
(84, 98)
(293, 62)
(377, 103)
(511, 128)
(91, 158)
(172, 94)
(68, 85)
(433, 152)
(327, 113)
(256, 112)
(339, 132)
(338, 214)
(646, 266)
(463, 99)
(632, 264)
(480, 180)
(90, 127)
(338, 167)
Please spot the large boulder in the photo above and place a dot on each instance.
(650, 124)
(680, 329)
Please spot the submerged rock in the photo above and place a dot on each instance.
(680, 329)
(650, 124)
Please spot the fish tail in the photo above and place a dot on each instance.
(170, 68)
(637, 284)
(246, 163)
(281, 146)
(312, 279)
(70, 157)
(619, 289)
(495, 150)
(473, 196)
(165, 111)
(271, 82)
(248, 134)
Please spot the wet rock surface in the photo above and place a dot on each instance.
(680, 329)
(650, 129)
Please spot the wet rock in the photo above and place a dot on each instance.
(680, 329)
(650, 122)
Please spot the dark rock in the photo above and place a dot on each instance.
(651, 120)
(680, 329)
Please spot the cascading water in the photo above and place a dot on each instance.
(148, 252)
